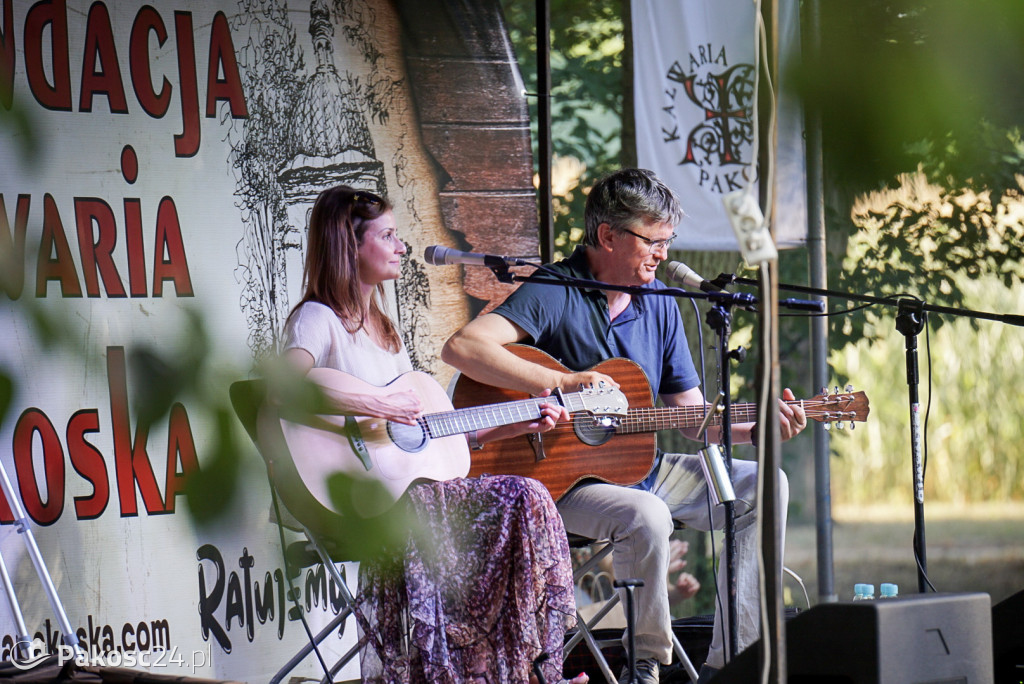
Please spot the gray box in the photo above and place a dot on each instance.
(917, 639)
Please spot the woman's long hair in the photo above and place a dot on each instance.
(331, 273)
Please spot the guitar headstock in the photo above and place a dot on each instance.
(603, 400)
(838, 407)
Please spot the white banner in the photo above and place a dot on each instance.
(695, 121)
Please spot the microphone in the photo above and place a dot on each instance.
(437, 255)
(680, 273)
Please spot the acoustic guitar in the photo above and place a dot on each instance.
(395, 454)
(619, 450)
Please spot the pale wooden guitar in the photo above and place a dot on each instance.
(394, 454)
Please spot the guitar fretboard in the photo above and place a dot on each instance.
(820, 408)
(675, 417)
(447, 423)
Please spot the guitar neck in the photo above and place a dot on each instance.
(447, 423)
(678, 417)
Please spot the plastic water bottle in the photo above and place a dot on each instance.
(863, 592)
(888, 590)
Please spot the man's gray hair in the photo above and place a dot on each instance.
(628, 197)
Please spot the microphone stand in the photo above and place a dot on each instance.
(719, 318)
(911, 314)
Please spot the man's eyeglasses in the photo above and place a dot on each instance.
(654, 245)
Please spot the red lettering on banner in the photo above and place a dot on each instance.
(96, 229)
(222, 61)
(7, 56)
(180, 447)
(169, 242)
(97, 256)
(59, 266)
(99, 42)
(136, 252)
(131, 462)
(49, 77)
(32, 422)
(155, 104)
(52, 13)
(12, 243)
(187, 143)
(88, 462)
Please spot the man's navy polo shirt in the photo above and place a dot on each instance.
(573, 326)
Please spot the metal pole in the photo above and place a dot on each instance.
(819, 324)
(544, 194)
(23, 527)
(910, 321)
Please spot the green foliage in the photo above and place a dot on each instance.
(923, 69)
(922, 239)
(934, 89)
(6, 393)
(974, 431)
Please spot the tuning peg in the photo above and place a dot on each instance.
(839, 425)
(824, 390)
(853, 426)
(827, 426)
(849, 388)
(837, 389)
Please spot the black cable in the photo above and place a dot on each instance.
(924, 438)
(928, 406)
(917, 560)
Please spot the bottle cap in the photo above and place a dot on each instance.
(889, 590)
(869, 590)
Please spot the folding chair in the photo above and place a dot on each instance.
(584, 629)
(309, 517)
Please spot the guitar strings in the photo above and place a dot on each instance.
(813, 409)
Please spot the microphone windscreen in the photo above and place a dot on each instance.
(678, 271)
(434, 255)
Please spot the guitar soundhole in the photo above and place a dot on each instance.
(591, 431)
(409, 438)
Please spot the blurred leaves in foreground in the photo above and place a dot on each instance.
(894, 75)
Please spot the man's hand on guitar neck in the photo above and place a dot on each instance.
(792, 418)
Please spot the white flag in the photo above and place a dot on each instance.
(694, 71)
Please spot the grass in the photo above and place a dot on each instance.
(975, 548)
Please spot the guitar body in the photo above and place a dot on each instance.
(362, 447)
(617, 449)
(567, 458)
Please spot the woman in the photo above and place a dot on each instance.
(491, 590)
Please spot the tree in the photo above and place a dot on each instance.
(934, 86)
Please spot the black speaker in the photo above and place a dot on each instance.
(1008, 639)
(918, 639)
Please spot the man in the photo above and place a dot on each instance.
(629, 219)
